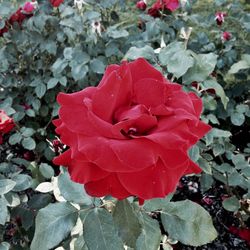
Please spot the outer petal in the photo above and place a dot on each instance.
(171, 4)
(98, 151)
(113, 94)
(75, 98)
(84, 172)
(141, 69)
(193, 168)
(110, 185)
(197, 103)
(155, 182)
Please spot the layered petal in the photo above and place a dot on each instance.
(110, 185)
(114, 93)
(156, 182)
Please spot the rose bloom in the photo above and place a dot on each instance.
(141, 5)
(226, 36)
(6, 124)
(161, 5)
(129, 136)
(219, 17)
(56, 3)
(29, 7)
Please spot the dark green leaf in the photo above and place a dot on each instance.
(29, 143)
(46, 170)
(72, 191)
(189, 223)
(53, 224)
(126, 220)
(4, 214)
(6, 185)
(23, 181)
(231, 204)
(134, 53)
(100, 232)
(150, 236)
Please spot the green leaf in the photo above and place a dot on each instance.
(179, 63)
(68, 53)
(97, 66)
(237, 118)
(134, 53)
(27, 132)
(127, 223)
(231, 204)
(40, 90)
(29, 143)
(80, 244)
(46, 170)
(235, 179)
(243, 64)
(15, 138)
(157, 204)
(78, 72)
(52, 83)
(194, 153)
(239, 161)
(59, 66)
(100, 232)
(205, 165)
(30, 113)
(218, 149)
(188, 222)
(53, 224)
(6, 185)
(167, 52)
(242, 108)
(23, 181)
(211, 84)
(203, 67)
(72, 191)
(150, 236)
(4, 215)
(4, 246)
(116, 33)
(206, 181)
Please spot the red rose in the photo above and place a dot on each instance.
(29, 7)
(226, 36)
(129, 136)
(219, 17)
(141, 5)
(6, 124)
(56, 3)
(2, 31)
(161, 5)
(18, 17)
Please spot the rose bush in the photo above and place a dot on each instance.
(6, 124)
(130, 135)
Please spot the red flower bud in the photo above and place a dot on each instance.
(141, 5)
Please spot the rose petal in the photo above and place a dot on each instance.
(98, 150)
(156, 182)
(146, 90)
(141, 69)
(107, 186)
(197, 103)
(113, 94)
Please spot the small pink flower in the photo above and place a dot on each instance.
(219, 17)
(29, 7)
(226, 36)
(207, 200)
(141, 5)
